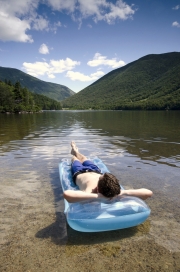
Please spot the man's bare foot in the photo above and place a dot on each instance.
(74, 149)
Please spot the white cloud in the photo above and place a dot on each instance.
(36, 68)
(176, 24)
(55, 26)
(69, 5)
(98, 60)
(104, 10)
(51, 68)
(176, 7)
(17, 32)
(119, 11)
(92, 8)
(44, 49)
(97, 9)
(40, 23)
(19, 17)
(14, 20)
(51, 76)
(20, 7)
(81, 77)
(60, 66)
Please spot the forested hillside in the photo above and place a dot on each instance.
(14, 98)
(152, 82)
(54, 91)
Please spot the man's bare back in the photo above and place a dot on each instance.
(88, 181)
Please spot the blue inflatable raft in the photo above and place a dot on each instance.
(96, 216)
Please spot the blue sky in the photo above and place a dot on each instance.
(75, 42)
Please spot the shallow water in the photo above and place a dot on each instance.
(140, 148)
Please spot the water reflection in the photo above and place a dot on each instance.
(153, 136)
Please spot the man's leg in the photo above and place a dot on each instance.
(76, 154)
(80, 163)
(77, 160)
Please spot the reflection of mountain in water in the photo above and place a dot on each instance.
(148, 135)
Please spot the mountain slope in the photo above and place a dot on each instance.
(152, 82)
(35, 85)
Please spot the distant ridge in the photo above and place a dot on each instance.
(151, 82)
(52, 90)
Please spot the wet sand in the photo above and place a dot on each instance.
(34, 236)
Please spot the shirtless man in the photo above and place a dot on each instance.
(93, 184)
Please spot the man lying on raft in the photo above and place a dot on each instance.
(93, 184)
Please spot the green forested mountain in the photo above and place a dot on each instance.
(35, 85)
(14, 98)
(151, 82)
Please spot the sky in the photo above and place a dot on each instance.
(76, 42)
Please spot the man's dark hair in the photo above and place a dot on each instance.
(108, 185)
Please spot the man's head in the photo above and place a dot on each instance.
(108, 185)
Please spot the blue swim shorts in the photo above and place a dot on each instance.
(87, 166)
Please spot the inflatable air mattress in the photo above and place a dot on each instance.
(101, 215)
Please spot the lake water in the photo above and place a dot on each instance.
(141, 148)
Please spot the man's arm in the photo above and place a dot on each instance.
(75, 196)
(141, 193)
